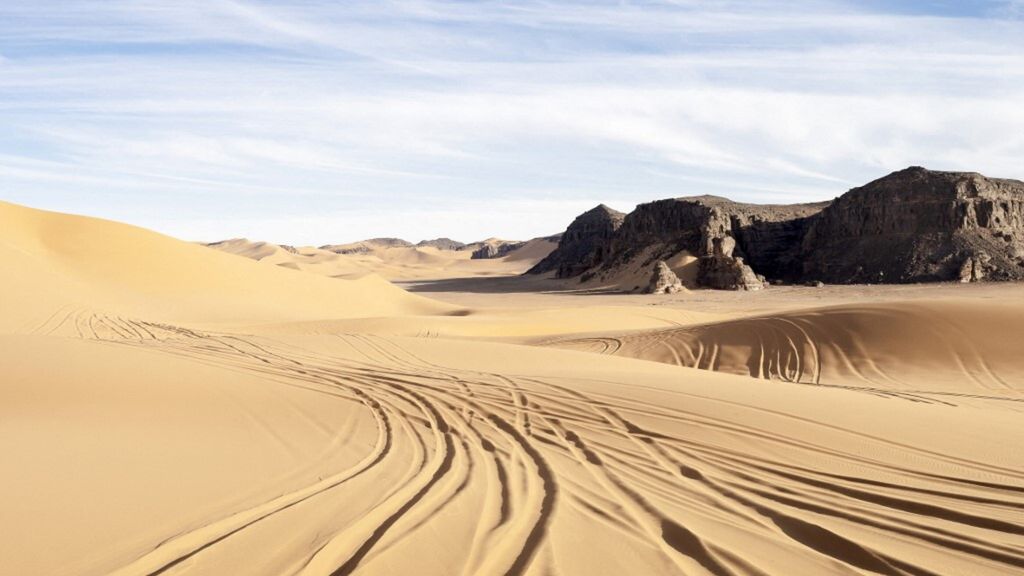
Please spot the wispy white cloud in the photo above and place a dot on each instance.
(1012, 8)
(334, 112)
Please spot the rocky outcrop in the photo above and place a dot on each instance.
(494, 248)
(973, 268)
(664, 280)
(584, 244)
(918, 225)
(914, 225)
(724, 235)
(724, 271)
(441, 244)
(367, 246)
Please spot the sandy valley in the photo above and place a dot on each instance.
(170, 409)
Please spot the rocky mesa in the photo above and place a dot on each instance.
(915, 225)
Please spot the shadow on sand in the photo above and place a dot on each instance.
(503, 285)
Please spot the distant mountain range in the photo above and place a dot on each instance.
(397, 259)
(480, 250)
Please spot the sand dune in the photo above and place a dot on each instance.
(167, 409)
(635, 276)
(55, 260)
(944, 346)
(391, 262)
(522, 325)
(435, 457)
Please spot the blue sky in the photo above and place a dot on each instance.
(319, 122)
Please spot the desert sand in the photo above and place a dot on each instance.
(404, 263)
(166, 408)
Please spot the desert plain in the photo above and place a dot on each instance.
(168, 408)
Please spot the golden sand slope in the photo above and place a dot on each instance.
(393, 263)
(139, 441)
(944, 346)
(53, 262)
(635, 275)
(206, 453)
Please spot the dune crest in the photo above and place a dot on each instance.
(79, 262)
(945, 346)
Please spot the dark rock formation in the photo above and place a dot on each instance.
(973, 268)
(442, 244)
(664, 280)
(584, 244)
(911, 226)
(725, 235)
(917, 225)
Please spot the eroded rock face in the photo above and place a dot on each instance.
(722, 234)
(914, 225)
(724, 271)
(918, 225)
(728, 274)
(584, 245)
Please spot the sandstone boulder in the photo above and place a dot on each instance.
(724, 273)
(664, 280)
(974, 268)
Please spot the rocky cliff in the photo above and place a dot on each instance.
(584, 244)
(763, 237)
(918, 225)
(913, 225)
(721, 233)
